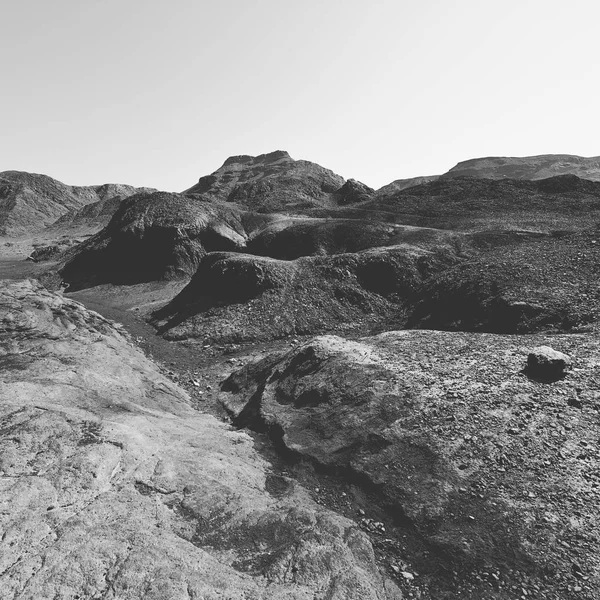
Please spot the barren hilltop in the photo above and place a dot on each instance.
(529, 167)
(281, 384)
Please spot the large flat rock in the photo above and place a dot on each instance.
(494, 471)
(112, 486)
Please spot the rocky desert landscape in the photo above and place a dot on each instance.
(281, 384)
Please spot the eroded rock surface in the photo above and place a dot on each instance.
(112, 486)
(496, 472)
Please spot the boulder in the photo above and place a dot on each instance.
(546, 363)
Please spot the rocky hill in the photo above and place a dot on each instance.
(270, 182)
(30, 202)
(439, 442)
(528, 167)
(462, 253)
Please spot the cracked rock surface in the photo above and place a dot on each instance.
(494, 472)
(112, 486)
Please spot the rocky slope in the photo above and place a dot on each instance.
(270, 182)
(112, 486)
(486, 479)
(29, 202)
(160, 235)
(244, 298)
(472, 204)
(528, 167)
(155, 236)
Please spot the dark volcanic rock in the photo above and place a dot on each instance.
(528, 167)
(113, 486)
(270, 182)
(236, 297)
(50, 252)
(515, 282)
(155, 236)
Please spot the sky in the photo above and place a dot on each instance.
(159, 93)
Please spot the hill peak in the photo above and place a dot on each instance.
(269, 182)
(245, 159)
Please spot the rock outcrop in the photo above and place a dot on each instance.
(547, 364)
(112, 486)
(239, 297)
(155, 236)
(354, 191)
(494, 472)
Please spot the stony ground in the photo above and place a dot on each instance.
(515, 459)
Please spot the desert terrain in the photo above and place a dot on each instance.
(279, 383)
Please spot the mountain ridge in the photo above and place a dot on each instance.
(534, 167)
(29, 202)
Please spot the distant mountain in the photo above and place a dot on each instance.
(270, 182)
(98, 214)
(29, 202)
(403, 184)
(473, 203)
(528, 167)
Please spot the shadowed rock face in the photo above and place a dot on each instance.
(270, 182)
(112, 486)
(354, 191)
(30, 202)
(528, 167)
(155, 236)
(449, 435)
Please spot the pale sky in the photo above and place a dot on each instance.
(158, 93)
